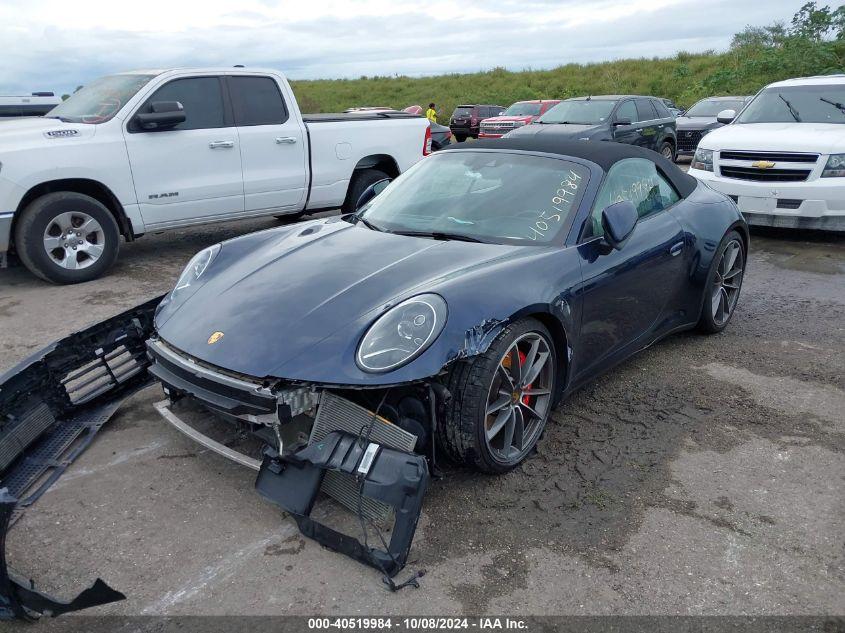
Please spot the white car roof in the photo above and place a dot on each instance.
(203, 70)
(818, 80)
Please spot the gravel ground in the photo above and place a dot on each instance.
(704, 476)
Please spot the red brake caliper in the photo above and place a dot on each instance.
(525, 399)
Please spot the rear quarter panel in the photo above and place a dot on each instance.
(705, 217)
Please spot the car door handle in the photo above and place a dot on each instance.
(285, 140)
(221, 144)
(676, 249)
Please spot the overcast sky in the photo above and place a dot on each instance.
(56, 44)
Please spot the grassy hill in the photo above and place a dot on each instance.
(758, 55)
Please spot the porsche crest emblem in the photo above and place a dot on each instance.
(215, 336)
(763, 164)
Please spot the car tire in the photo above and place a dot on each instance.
(667, 150)
(360, 181)
(473, 430)
(724, 283)
(58, 220)
(460, 138)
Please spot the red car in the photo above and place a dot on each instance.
(519, 114)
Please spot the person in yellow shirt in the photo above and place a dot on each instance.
(431, 113)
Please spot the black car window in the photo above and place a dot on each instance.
(662, 110)
(462, 111)
(637, 180)
(627, 111)
(645, 111)
(257, 101)
(201, 98)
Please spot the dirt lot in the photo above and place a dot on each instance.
(704, 476)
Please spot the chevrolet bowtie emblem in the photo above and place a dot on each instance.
(763, 164)
(216, 336)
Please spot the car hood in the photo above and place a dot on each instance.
(29, 130)
(695, 122)
(497, 119)
(276, 295)
(564, 130)
(823, 138)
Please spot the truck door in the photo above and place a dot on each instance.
(191, 171)
(273, 145)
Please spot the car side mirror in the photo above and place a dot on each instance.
(726, 116)
(618, 221)
(163, 115)
(371, 192)
(618, 122)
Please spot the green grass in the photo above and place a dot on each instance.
(684, 78)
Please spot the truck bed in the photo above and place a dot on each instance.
(356, 116)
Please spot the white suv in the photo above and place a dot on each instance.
(782, 159)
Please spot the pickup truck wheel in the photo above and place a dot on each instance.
(360, 181)
(501, 399)
(67, 238)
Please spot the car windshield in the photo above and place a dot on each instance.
(712, 107)
(523, 109)
(584, 111)
(797, 104)
(100, 100)
(497, 197)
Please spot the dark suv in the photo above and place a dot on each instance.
(700, 119)
(466, 119)
(643, 121)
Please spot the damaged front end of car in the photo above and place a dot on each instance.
(370, 449)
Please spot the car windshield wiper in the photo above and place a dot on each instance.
(442, 235)
(355, 218)
(835, 104)
(792, 110)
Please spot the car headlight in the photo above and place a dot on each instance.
(196, 267)
(835, 167)
(703, 160)
(402, 333)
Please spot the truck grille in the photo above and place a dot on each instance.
(775, 157)
(688, 140)
(764, 175)
(498, 126)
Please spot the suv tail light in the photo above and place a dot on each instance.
(427, 141)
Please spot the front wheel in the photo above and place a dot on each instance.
(501, 399)
(67, 238)
(724, 281)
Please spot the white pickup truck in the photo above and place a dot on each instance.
(155, 150)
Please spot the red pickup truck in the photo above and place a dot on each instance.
(519, 114)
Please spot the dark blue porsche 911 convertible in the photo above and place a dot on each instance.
(449, 314)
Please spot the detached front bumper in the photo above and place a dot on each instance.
(814, 204)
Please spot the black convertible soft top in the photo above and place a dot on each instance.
(603, 153)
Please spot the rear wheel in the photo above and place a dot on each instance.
(360, 181)
(67, 238)
(460, 138)
(501, 400)
(724, 282)
(667, 150)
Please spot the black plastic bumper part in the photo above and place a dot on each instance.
(397, 478)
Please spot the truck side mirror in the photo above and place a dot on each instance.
(371, 192)
(163, 115)
(618, 221)
(726, 116)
